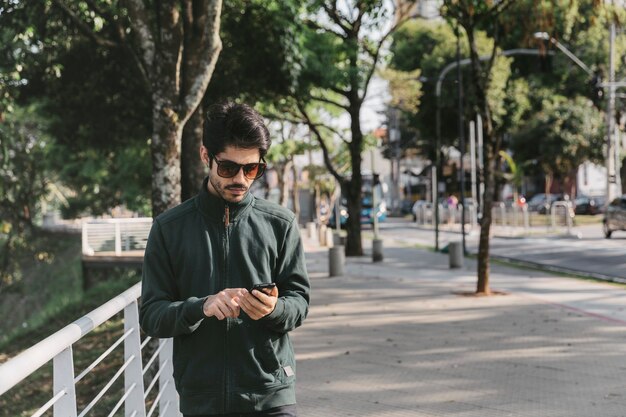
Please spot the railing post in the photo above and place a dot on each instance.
(168, 403)
(133, 374)
(86, 250)
(63, 380)
(118, 239)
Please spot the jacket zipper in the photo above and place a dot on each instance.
(227, 324)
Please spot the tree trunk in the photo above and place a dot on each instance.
(295, 191)
(490, 152)
(166, 144)
(482, 286)
(192, 169)
(354, 245)
(284, 184)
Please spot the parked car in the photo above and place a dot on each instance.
(589, 204)
(541, 202)
(367, 212)
(417, 206)
(615, 216)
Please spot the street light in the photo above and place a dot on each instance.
(613, 181)
(545, 36)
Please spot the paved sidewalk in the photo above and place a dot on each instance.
(403, 338)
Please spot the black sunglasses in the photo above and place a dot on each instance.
(228, 169)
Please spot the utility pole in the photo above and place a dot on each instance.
(612, 190)
(459, 76)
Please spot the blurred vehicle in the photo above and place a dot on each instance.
(406, 206)
(521, 201)
(541, 202)
(417, 207)
(369, 190)
(615, 216)
(589, 205)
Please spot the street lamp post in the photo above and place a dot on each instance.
(612, 162)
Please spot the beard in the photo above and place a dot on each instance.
(230, 192)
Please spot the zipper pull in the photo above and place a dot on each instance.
(226, 215)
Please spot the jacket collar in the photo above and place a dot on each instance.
(214, 207)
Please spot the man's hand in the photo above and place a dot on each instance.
(258, 304)
(223, 304)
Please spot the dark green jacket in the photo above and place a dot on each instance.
(232, 365)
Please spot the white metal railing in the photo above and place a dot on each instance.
(564, 211)
(115, 235)
(425, 214)
(58, 348)
(514, 216)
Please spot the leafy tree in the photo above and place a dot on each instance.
(23, 182)
(251, 68)
(340, 55)
(561, 137)
(174, 46)
(471, 16)
(281, 157)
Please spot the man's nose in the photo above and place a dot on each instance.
(240, 177)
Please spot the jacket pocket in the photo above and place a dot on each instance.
(256, 357)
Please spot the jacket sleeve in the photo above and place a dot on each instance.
(162, 312)
(293, 285)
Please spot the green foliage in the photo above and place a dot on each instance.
(23, 166)
(562, 136)
(261, 58)
(429, 46)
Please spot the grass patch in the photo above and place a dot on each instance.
(26, 397)
(49, 279)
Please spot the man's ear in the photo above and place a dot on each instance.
(204, 155)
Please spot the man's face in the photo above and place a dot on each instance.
(232, 189)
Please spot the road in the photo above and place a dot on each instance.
(584, 251)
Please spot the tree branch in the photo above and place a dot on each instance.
(139, 23)
(335, 16)
(329, 101)
(320, 139)
(83, 26)
(375, 53)
(210, 46)
(315, 25)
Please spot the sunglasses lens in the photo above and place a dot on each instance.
(254, 171)
(227, 169)
(251, 170)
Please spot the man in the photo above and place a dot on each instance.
(232, 353)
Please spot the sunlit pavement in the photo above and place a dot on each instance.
(404, 338)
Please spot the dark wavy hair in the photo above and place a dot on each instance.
(234, 124)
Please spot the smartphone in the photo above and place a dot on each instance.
(261, 287)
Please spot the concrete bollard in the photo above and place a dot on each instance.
(330, 240)
(336, 260)
(322, 237)
(311, 230)
(336, 238)
(455, 254)
(377, 250)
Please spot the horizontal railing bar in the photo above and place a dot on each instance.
(106, 387)
(154, 356)
(104, 355)
(145, 341)
(155, 379)
(27, 362)
(136, 220)
(49, 404)
(156, 400)
(121, 401)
